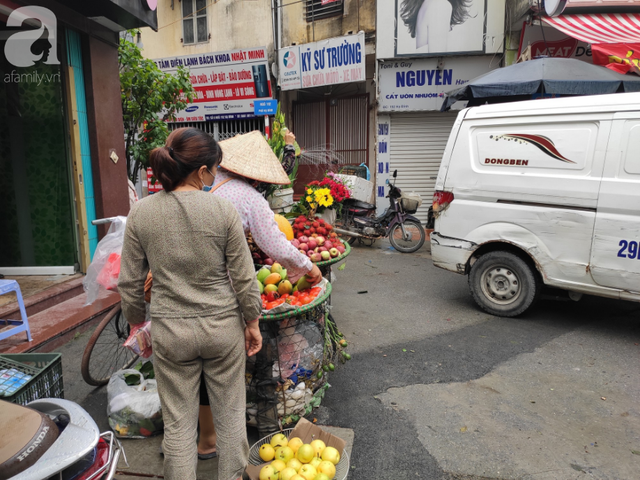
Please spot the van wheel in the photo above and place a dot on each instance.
(503, 284)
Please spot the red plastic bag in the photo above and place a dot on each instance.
(108, 276)
(105, 266)
(139, 341)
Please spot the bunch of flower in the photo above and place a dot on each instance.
(317, 197)
(337, 187)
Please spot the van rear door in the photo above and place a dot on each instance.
(615, 253)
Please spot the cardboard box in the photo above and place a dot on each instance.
(361, 189)
(306, 431)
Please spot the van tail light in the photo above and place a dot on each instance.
(441, 201)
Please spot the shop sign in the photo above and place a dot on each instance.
(619, 57)
(551, 42)
(383, 159)
(420, 84)
(153, 185)
(424, 28)
(265, 107)
(328, 62)
(226, 83)
(151, 4)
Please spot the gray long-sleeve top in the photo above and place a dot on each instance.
(193, 242)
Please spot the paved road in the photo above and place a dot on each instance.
(437, 389)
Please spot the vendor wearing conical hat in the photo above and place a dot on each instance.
(247, 164)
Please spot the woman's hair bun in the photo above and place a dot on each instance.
(186, 150)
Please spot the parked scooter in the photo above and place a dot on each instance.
(55, 439)
(405, 231)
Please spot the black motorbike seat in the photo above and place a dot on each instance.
(352, 202)
(32, 433)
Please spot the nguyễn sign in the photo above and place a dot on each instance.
(328, 62)
(418, 84)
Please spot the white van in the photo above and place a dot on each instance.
(543, 192)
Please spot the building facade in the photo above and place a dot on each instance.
(333, 119)
(61, 132)
(220, 42)
(421, 55)
(332, 107)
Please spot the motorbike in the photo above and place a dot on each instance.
(359, 221)
(55, 439)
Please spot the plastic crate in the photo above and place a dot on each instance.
(46, 370)
(356, 170)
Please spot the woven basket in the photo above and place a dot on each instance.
(342, 468)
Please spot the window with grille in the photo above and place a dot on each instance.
(194, 21)
(318, 9)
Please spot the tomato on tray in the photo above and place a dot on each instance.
(305, 299)
(275, 303)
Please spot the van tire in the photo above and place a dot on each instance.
(503, 284)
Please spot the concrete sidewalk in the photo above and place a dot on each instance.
(145, 460)
(143, 455)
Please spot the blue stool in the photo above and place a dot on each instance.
(7, 286)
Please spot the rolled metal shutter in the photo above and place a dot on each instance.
(417, 144)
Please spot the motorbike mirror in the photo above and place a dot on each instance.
(387, 181)
(395, 173)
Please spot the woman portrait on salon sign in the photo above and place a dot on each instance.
(440, 26)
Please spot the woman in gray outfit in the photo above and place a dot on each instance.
(205, 303)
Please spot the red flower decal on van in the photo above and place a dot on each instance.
(543, 143)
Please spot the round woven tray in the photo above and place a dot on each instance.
(317, 303)
(342, 468)
(347, 251)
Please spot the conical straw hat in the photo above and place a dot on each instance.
(251, 156)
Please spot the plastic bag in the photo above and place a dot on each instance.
(104, 270)
(134, 411)
(108, 276)
(139, 341)
(299, 347)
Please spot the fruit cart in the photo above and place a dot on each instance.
(283, 377)
(288, 377)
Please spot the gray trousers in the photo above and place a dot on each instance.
(184, 350)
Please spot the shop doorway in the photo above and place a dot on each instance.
(37, 219)
(334, 133)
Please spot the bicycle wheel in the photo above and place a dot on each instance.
(105, 353)
(407, 237)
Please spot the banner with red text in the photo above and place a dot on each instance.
(226, 83)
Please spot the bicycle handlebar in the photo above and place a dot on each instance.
(103, 221)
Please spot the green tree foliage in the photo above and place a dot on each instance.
(150, 98)
(276, 142)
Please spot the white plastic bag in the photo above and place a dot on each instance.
(103, 272)
(134, 410)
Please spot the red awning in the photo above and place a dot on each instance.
(599, 28)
